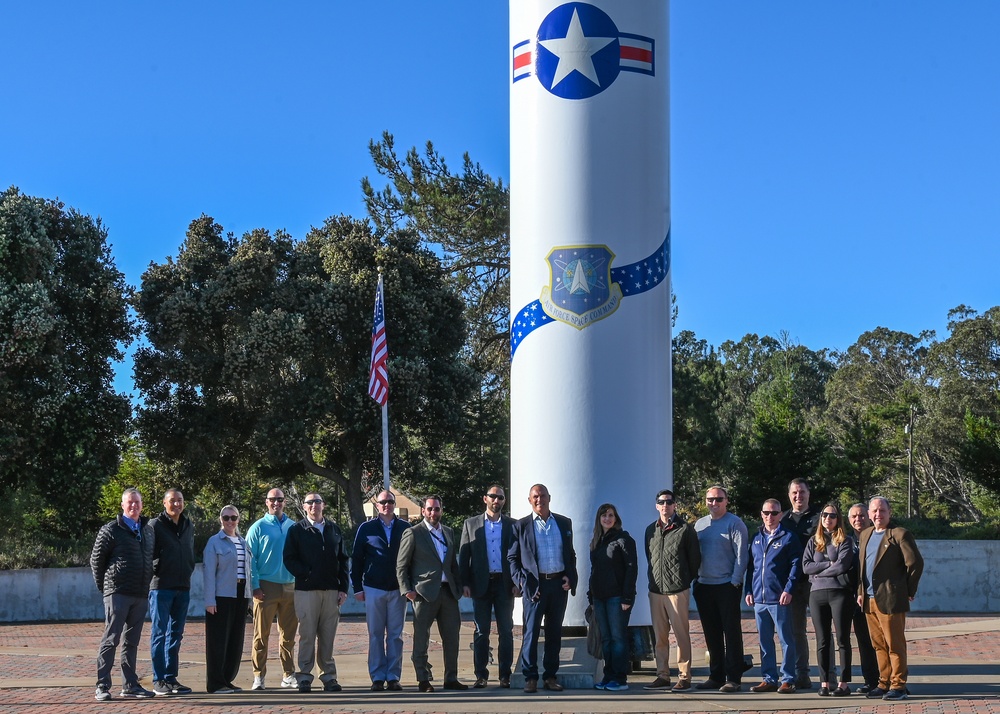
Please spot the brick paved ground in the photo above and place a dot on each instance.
(46, 666)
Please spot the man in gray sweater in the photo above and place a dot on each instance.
(674, 557)
(724, 544)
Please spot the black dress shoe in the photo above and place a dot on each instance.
(378, 685)
(841, 692)
(425, 686)
(393, 685)
(824, 691)
(456, 685)
(332, 687)
(505, 682)
(480, 683)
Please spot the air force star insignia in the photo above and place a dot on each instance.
(580, 289)
(579, 52)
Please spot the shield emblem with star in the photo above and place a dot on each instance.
(580, 289)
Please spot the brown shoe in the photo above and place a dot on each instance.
(531, 686)
(552, 684)
(682, 685)
(505, 682)
(480, 683)
(393, 685)
(786, 688)
(764, 687)
(658, 683)
(730, 687)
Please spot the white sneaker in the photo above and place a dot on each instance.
(289, 681)
(258, 684)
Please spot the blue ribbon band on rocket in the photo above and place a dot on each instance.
(584, 288)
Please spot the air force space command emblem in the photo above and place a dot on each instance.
(579, 52)
(580, 289)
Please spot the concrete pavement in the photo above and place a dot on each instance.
(953, 669)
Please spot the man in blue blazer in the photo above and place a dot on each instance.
(543, 567)
(482, 562)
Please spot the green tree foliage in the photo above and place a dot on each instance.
(63, 320)
(257, 364)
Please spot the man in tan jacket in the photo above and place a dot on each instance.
(891, 566)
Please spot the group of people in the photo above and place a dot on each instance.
(862, 574)
(300, 574)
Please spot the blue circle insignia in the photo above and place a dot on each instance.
(578, 52)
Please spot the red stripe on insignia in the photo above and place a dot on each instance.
(522, 60)
(636, 54)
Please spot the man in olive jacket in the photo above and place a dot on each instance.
(674, 557)
(891, 566)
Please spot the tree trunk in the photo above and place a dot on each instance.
(349, 486)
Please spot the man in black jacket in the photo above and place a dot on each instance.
(122, 564)
(170, 591)
(801, 519)
(315, 553)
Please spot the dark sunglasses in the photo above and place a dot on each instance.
(714, 499)
(496, 496)
(664, 502)
(276, 499)
(385, 502)
(230, 518)
(312, 501)
(770, 513)
(829, 515)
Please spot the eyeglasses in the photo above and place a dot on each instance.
(312, 501)
(829, 515)
(432, 509)
(276, 499)
(664, 502)
(385, 502)
(770, 513)
(230, 518)
(714, 499)
(496, 496)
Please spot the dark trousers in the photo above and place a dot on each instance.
(444, 609)
(499, 600)
(800, 625)
(123, 615)
(866, 650)
(719, 609)
(832, 608)
(224, 641)
(550, 606)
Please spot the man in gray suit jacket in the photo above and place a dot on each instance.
(482, 563)
(427, 571)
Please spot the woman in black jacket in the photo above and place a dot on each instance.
(613, 572)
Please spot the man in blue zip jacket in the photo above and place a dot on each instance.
(273, 590)
(775, 566)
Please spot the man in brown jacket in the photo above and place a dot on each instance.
(890, 571)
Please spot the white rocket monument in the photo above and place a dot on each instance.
(590, 265)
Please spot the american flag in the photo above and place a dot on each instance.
(378, 380)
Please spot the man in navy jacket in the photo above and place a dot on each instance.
(775, 566)
(543, 567)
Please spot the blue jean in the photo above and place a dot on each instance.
(167, 612)
(385, 612)
(612, 621)
(771, 617)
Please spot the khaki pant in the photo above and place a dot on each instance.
(667, 611)
(278, 600)
(319, 614)
(888, 633)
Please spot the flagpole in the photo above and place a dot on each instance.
(385, 446)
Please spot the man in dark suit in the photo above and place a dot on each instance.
(427, 571)
(891, 567)
(543, 567)
(482, 561)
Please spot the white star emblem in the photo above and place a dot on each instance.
(575, 52)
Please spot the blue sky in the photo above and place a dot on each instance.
(835, 166)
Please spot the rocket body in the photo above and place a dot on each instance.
(590, 265)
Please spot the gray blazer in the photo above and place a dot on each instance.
(419, 568)
(220, 568)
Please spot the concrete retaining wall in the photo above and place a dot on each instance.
(959, 576)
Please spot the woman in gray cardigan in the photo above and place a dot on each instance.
(227, 575)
